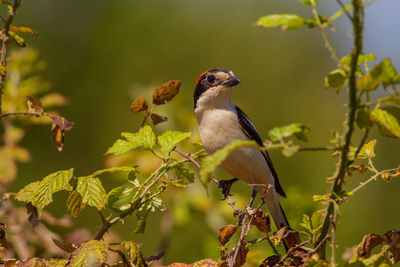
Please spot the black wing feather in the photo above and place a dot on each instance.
(249, 129)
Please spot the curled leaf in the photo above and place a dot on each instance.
(156, 119)
(225, 233)
(34, 104)
(262, 221)
(368, 243)
(166, 92)
(140, 104)
(60, 125)
(64, 245)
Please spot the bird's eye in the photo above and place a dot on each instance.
(211, 78)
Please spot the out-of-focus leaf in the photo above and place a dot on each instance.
(127, 169)
(336, 79)
(8, 167)
(38, 262)
(141, 224)
(386, 73)
(310, 2)
(225, 233)
(92, 191)
(60, 125)
(64, 245)
(3, 69)
(317, 219)
(140, 104)
(184, 174)
(41, 193)
(170, 139)
(368, 243)
(212, 161)
(157, 119)
(393, 238)
(90, 253)
(74, 203)
(368, 83)
(262, 221)
(306, 223)
(346, 60)
(166, 92)
(34, 104)
(271, 261)
(53, 100)
(368, 149)
(145, 138)
(363, 119)
(339, 13)
(299, 130)
(134, 253)
(17, 38)
(387, 119)
(120, 198)
(290, 150)
(391, 99)
(285, 21)
(23, 29)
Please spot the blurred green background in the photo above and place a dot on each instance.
(103, 54)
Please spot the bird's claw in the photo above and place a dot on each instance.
(225, 186)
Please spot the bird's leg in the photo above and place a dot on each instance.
(253, 196)
(225, 186)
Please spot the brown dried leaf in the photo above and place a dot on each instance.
(34, 104)
(166, 92)
(225, 233)
(3, 241)
(262, 221)
(368, 243)
(289, 236)
(393, 239)
(61, 122)
(60, 125)
(140, 104)
(394, 254)
(156, 119)
(241, 257)
(34, 216)
(270, 261)
(393, 236)
(64, 245)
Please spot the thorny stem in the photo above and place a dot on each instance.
(187, 155)
(5, 38)
(324, 35)
(344, 161)
(372, 178)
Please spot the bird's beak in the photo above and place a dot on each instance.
(231, 82)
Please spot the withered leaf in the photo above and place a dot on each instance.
(166, 92)
(262, 221)
(140, 104)
(368, 243)
(3, 241)
(33, 212)
(289, 236)
(34, 104)
(156, 119)
(393, 236)
(271, 261)
(241, 257)
(64, 245)
(225, 233)
(60, 125)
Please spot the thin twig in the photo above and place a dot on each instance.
(187, 155)
(148, 113)
(27, 113)
(345, 10)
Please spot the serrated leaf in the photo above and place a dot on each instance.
(90, 253)
(134, 253)
(166, 92)
(299, 130)
(145, 138)
(310, 2)
(386, 72)
(211, 162)
(368, 243)
(120, 198)
(26, 194)
(387, 119)
(140, 104)
(141, 223)
(336, 79)
(44, 190)
(285, 21)
(363, 119)
(346, 60)
(368, 83)
(391, 99)
(170, 139)
(184, 174)
(74, 203)
(92, 192)
(127, 169)
(368, 149)
(306, 223)
(317, 219)
(225, 233)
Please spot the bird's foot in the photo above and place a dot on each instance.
(225, 186)
(253, 196)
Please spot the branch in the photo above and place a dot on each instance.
(344, 161)
(372, 178)
(27, 113)
(148, 113)
(5, 38)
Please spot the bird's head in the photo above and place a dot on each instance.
(214, 86)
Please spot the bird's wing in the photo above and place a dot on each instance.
(251, 132)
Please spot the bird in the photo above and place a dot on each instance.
(220, 122)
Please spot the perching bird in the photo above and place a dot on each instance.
(220, 122)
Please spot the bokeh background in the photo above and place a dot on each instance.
(103, 54)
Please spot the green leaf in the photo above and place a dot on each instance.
(363, 120)
(17, 38)
(74, 203)
(306, 223)
(339, 13)
(92, 191)
(346, 60)
(134, 253)
(289, 151)
(185, 175)
(336, 79)
(310, 2)
(386, 73)
(212, 161)
(316, 220)
(368, 149)
(44, 190)
(170, 139)
(127, 169)
(286, 21)
(387, 119)
(90, 253)
(23, 29)
(141, 224)
(299, 130)
(145, 138)
(120, 198)
(26, 194)
(368, 83)
(391, 99)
